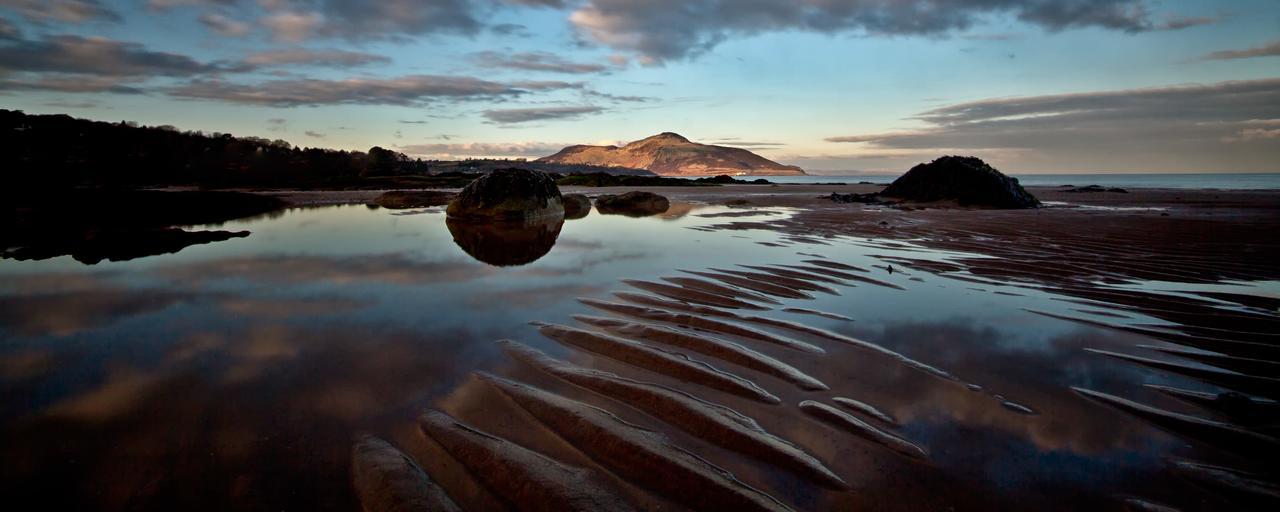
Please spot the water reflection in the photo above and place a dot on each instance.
(232, 375)
(505, 244)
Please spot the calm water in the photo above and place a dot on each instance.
(1261, 181)
(232, 375)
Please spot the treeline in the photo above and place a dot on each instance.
(59, 151)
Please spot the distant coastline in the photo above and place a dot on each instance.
(1224, 181)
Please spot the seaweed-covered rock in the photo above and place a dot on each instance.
(509, 194)
(576, 206)
(964, 179)
(633, 204)
(401, 199)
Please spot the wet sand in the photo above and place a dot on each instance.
(1085, 250)
(762, 385)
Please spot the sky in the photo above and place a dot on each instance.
(834, 86)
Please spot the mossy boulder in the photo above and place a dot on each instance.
(509, 195)
(576, 206)
(633, 204)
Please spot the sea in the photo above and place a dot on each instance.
(1224, 181)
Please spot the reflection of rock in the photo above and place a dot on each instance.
(508, 194)
(505, 243)
(633, 204)
(401, 199)
(967, 180)
(576, 206)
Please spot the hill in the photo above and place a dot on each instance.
(669, 154)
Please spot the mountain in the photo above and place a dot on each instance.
(669, 154)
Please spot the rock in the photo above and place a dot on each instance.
(854, 198)
(966, 180)
(633, 204)
(576, 206)
(505, 244)
(402, 199)
(509, 194)
(1096, 188)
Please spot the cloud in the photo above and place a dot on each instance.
(292, 26)
(535, 61)
(482, 149)
(733, 142)
(98, 56)
(278, 124)
(77, 84)
(522, 115)
(1161, 128)
(405, 90)
(312, 57)
(661, 30)
(315, 135)
(510, 29)
(224, 25)
(1271, 49)
(65, 11)
(297, 20)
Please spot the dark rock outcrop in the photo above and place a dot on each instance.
(967, 180)
(633, 204)
(855, 198)
(576, 206)
(1096, 188)
(402, 199)
(505, 244)
(509, 195)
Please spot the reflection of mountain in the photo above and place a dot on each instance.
(505, 244)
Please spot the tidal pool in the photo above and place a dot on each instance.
(236, 374)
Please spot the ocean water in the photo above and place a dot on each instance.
(1232, 181)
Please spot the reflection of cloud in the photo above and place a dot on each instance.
(62, 314)
(285, 425)
(1037, 376)
(26, 364)
(530, 297)
(385, 268)
(120, 394)
(284, 308)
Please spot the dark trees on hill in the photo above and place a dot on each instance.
(59, 151)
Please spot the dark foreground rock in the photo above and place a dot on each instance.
(505, 244)
(509, 195)
(633, 204)
(402, 199)
(576, 206)
(967, 180)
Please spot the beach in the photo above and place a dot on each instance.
(828, 355)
